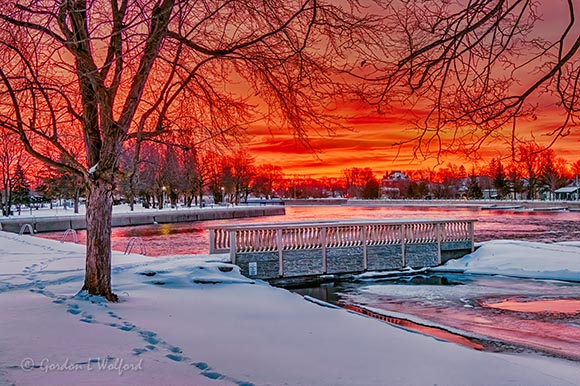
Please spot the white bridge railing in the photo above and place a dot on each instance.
(239, 239)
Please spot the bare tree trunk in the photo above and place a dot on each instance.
(131, 201)
(77, 199)
(131, 194)
(8, 203)
(99, 215)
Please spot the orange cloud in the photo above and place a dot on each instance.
(372, 143)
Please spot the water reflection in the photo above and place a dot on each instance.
(468, 305)
(421, 280)
(436, 332)
(192, 238)
(324, 292)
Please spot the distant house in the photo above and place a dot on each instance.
(393, 183)
(570, 192)
(394, 176)
(490, 194)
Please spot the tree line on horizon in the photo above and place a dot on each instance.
(167, 175)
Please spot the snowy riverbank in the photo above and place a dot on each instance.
(558, 261)
(192, 320)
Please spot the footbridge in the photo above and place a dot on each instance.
(274, 251)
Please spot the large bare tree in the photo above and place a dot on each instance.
(112, 71)
(477, 71)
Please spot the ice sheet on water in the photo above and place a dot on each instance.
(466, 289)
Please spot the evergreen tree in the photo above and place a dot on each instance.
(500, 179)
(61, 186)
(473, 189)
(20, 188)
(371, 189)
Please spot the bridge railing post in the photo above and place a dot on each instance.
(364, 242)
(471, 235)
(280, 248)
(233, 246)
(212, 247)
(323, 246)
(438, 233)
(402, 237)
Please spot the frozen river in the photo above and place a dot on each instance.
(485, 312)
(192, 238)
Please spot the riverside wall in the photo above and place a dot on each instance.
(61, 223)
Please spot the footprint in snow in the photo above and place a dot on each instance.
(208, 372)
(201, 365)
(139, 351)
(149, 337)
(127, 327)
(73, 309)
(174, 357)
(212, 375)
(87, 318)
(114, 315)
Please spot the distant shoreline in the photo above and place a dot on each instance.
(476, 204)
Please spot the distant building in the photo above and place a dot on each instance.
(394, 176)
(393, 183)
(570, 192)
(490, 194)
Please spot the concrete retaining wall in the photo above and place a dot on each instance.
(77, 222)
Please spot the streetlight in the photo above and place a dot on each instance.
(223, 194)
(164, 189)
(577, 191)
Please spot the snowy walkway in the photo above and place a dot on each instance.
(184, 321)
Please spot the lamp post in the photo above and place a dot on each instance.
(577, 192)
(164, 189)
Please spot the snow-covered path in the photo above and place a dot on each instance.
(188, 320)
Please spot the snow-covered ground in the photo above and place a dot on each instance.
(558, 261)
(61, 210)
(194, 320)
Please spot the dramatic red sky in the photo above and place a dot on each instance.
(371, 142)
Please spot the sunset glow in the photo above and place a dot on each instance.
(373, 142)
(374, 138)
